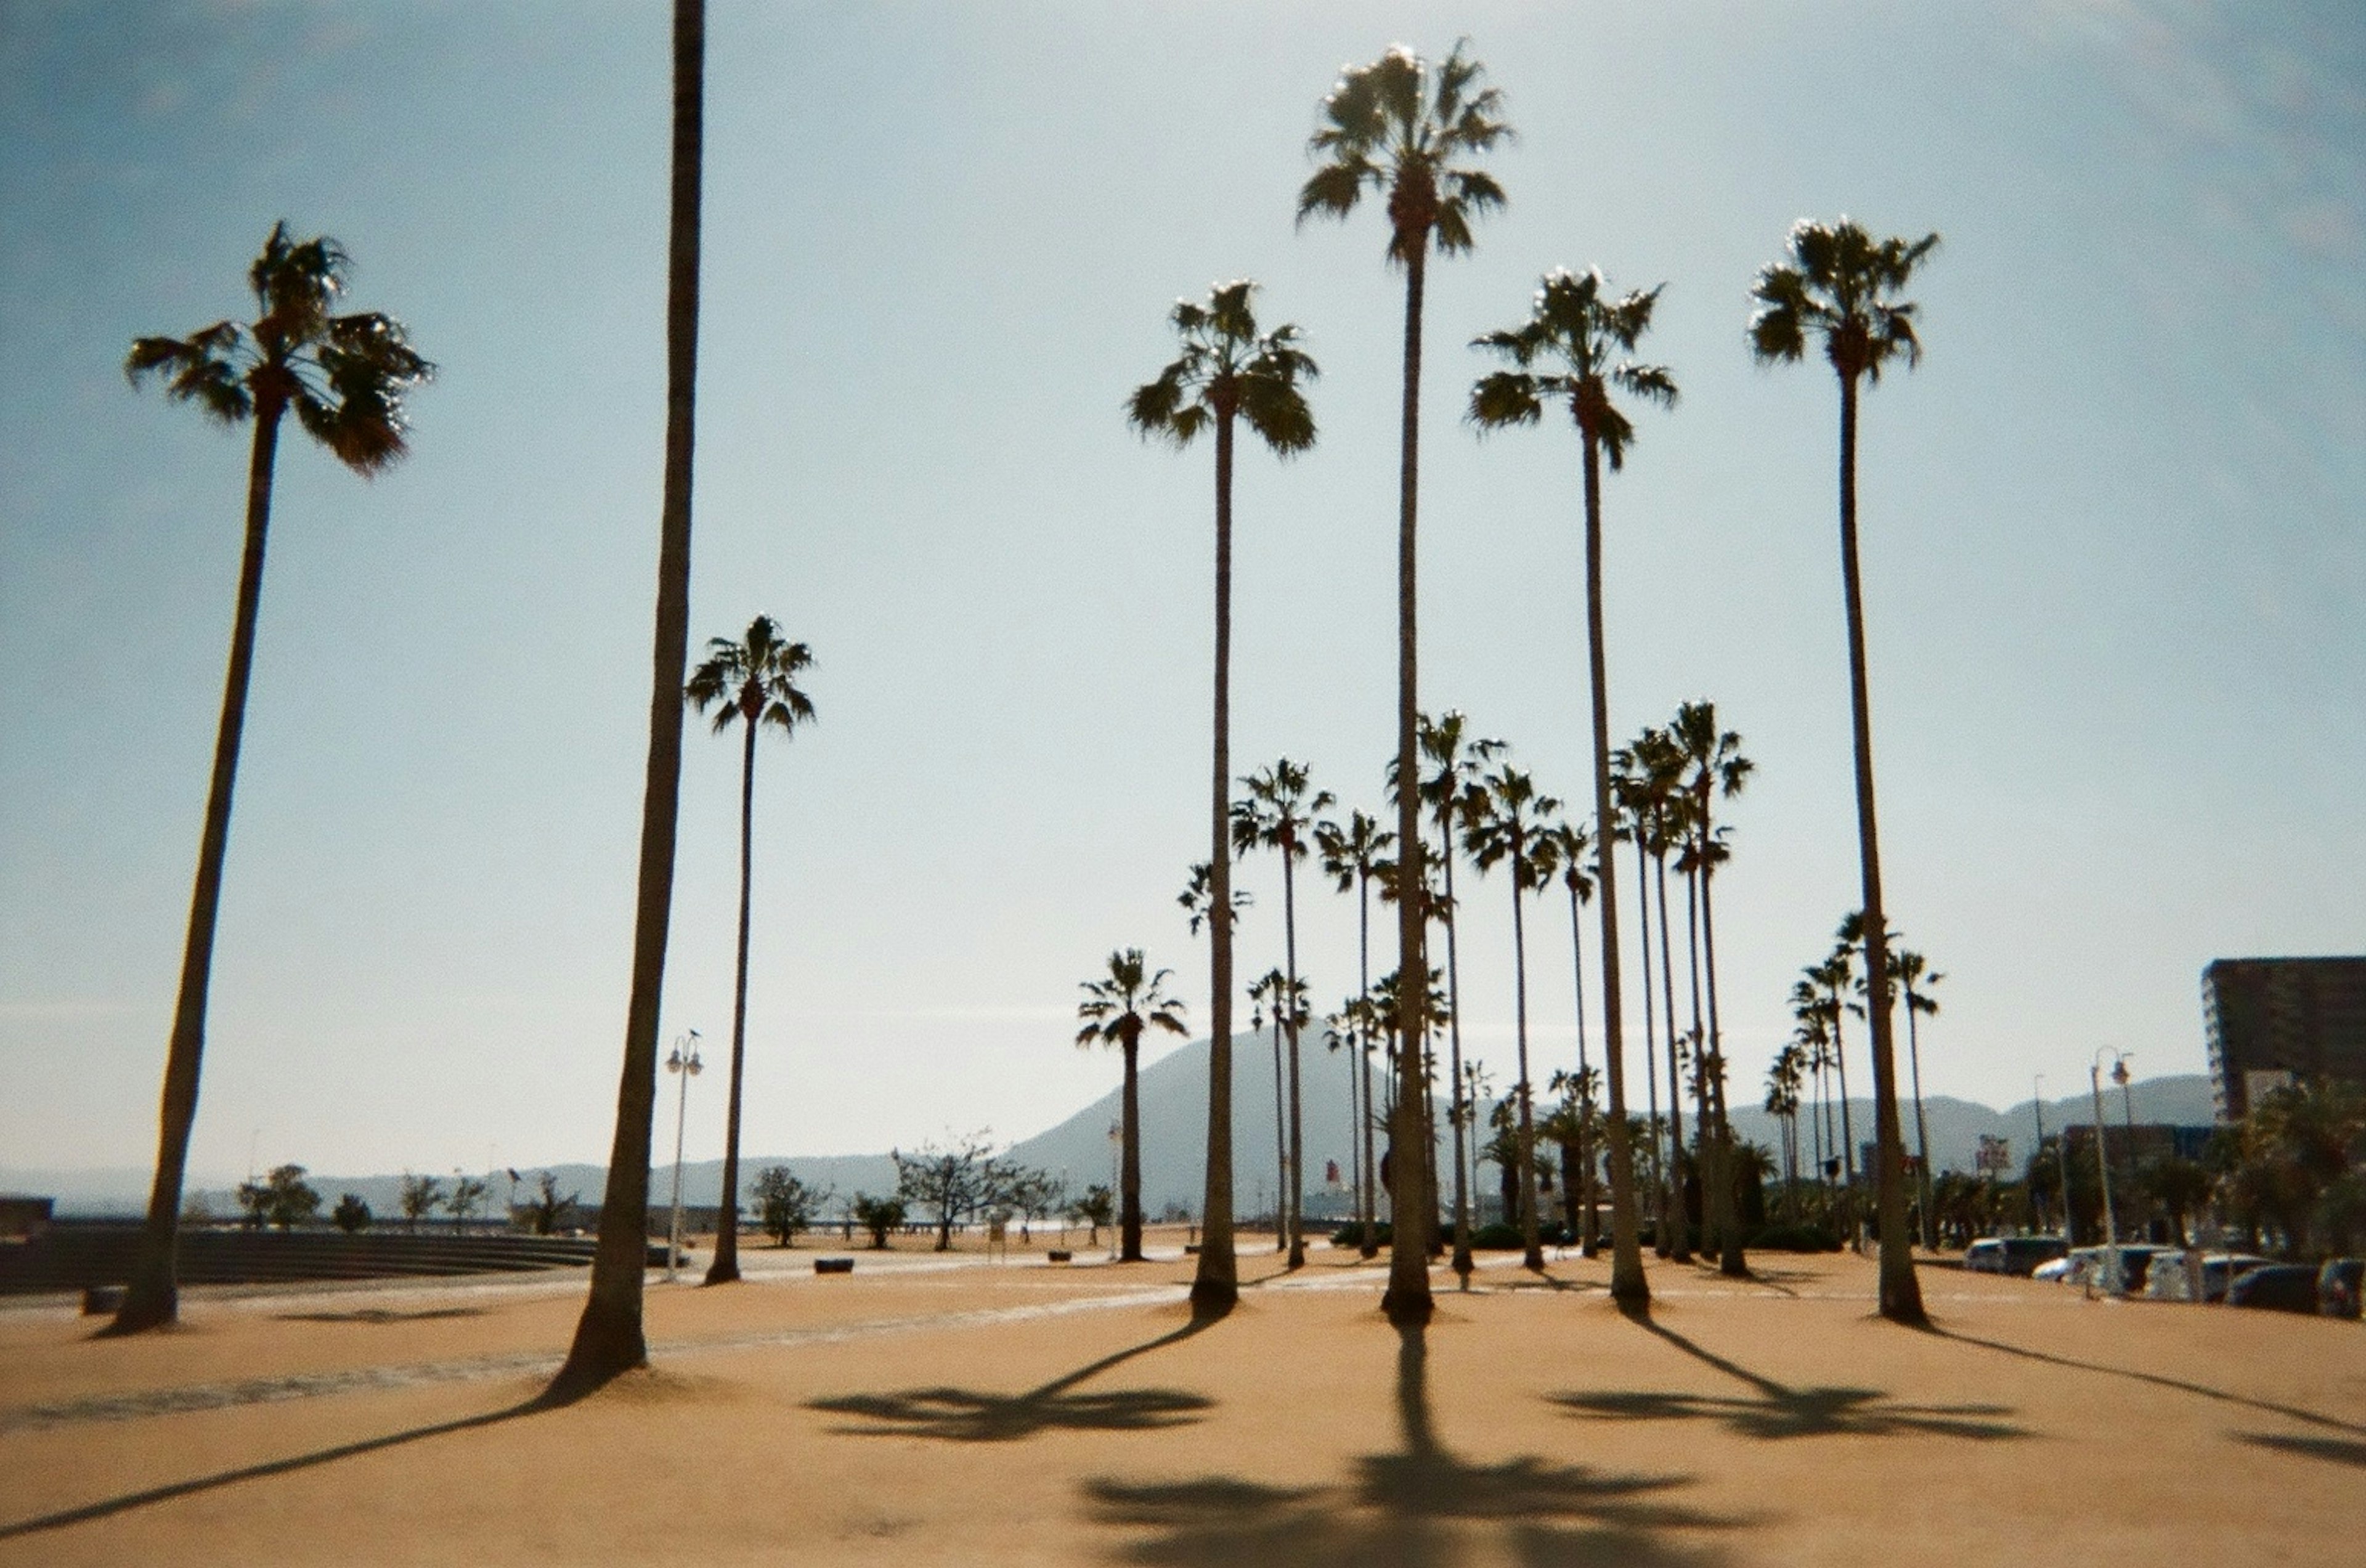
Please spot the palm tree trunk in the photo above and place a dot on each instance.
(1280, 1148)
(1661, 1230)
(1586, 1232)
(1848, 1128)
(1680, 1243)
(1407, 1300)
(726, 1267)
(608, 1337)
(153, 1297)
(1290, 1014)
(1370, 1194)
(1627, 1286)
(1731, 1260)
(1713, 1216)
(1459, 1110)
(1901, 1294)
(1922, 1131)
(1215, 1284)
(1129, 1180)
(1532, 1244)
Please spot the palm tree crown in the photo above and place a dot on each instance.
(1116, 1010)
(1839, 285)
(1396, 126)
(344, 376)
(1584, 335)
(754, 680)
(1227, 367)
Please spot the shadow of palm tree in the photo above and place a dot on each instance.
(380, 1314)
(1411, 1509)
(1774, 1410)
(128, 1501)
(971, 1416)
(2182, 1386)
(2336, 1450)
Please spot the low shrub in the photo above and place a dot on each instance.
(1792, 1238)
(1352, 1234)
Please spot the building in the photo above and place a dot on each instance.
(2272, 1020)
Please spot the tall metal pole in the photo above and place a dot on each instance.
(2037, 1109)
(686, 1067)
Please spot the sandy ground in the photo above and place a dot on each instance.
(958, 1411)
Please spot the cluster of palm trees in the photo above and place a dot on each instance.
(1413, 132)
(1410, 132)
(1810, 1072)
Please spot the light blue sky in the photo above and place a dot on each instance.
(2111, 532)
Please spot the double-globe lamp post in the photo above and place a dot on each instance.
(682, 1061)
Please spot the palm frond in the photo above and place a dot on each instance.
(202, 368)
(1505, 398)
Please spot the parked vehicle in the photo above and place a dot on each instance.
(2020, 1255)
(2279, 1287)
(2090, 1267)
(2165, 1280)
(2339, 1286)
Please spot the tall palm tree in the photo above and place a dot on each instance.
(1575, 348)
(754, 681)
(1914, 978)
(1647, 773)
(1450, 790)
(1278, 813)
(1351, 857)
(608, 1338)
(1403, 127)
(1572, 844)
(1841, 286)
(1116, 1010)
(345, 378)
(1509, 824)
(1227, 371)
(1266, 988)
(1714, 769)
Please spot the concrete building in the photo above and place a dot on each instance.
(2272, 1020)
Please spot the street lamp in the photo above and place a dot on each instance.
(2127, 1097)
(684, 1061)
(2116, 1285)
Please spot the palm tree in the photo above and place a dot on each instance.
(1509, 824)
(1403, 127)
(1278, 814)
(1268, 988)
(1914, 980)
(345, 378)
(1644, 779)
(1451, 791)
(1714, 767)
(754, 681)
(1586, 339)
(1571, 844)
(1228, 371)
(608, 1338)
(1841, 286)
(1351, 855)
(1118, 1009)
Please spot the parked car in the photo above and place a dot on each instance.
(2339, 1286)
(2279, 1287)
(2090, 1267)
(2014, 1253)
(2165, 1278)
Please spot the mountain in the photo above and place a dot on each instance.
(1174, 1143)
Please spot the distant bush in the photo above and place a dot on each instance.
(351, 1214)
(1793, 1238)
(1352, 1234)
(1502, 1237)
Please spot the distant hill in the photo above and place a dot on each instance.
(1174, 1142)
